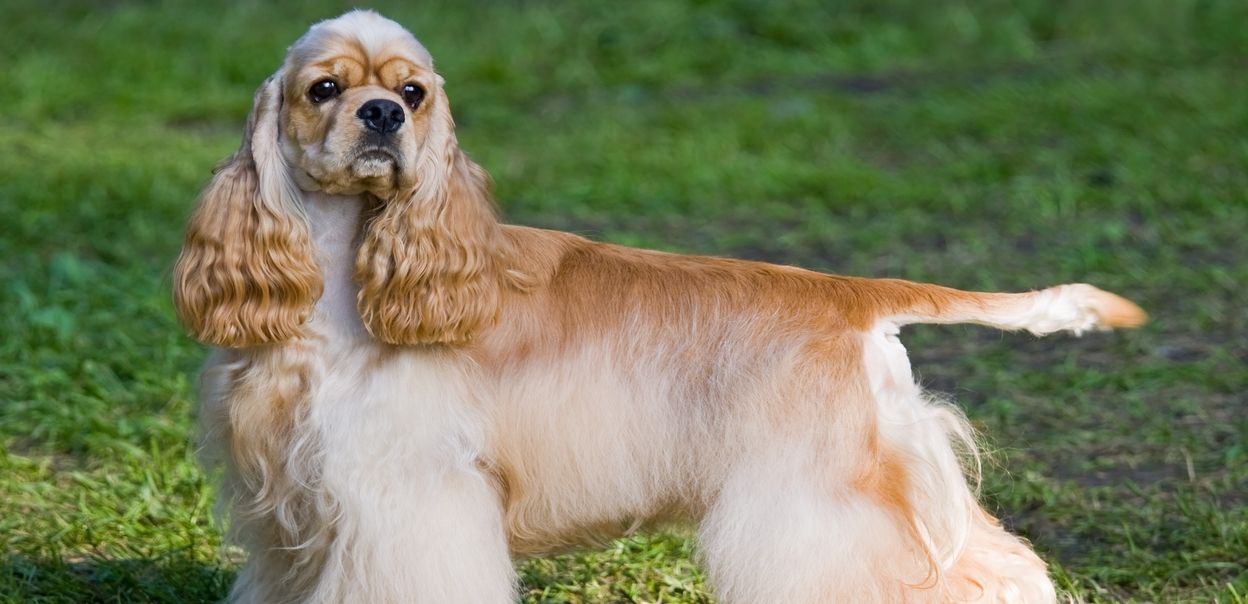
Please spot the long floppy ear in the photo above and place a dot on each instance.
(247, 275)
(429, 266)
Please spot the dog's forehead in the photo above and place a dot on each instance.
(363, 30)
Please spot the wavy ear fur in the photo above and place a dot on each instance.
(429, 266)
(246, 275)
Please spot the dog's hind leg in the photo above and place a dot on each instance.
(996, 566)
(852, 490)
(813, 509)
(775, 535)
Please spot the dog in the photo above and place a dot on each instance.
(407, 394)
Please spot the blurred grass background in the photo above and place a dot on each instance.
(977, 143)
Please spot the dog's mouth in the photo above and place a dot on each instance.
(377, 154)
(373, 162)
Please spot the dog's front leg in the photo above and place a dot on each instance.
(440, 543)
(416, 519)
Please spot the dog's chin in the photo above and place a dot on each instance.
(375, 164)
(377, 172)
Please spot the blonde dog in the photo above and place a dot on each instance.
(407, 393)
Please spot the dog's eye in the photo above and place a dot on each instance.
(413, 95)
(323, 91)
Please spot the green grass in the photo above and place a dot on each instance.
(980, 144)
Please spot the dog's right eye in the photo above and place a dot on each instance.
(323, 91)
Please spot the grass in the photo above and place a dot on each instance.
(980, 144)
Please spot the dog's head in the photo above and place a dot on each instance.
(355, 109)
(360, 103)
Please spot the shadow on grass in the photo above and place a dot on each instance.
(174, 577)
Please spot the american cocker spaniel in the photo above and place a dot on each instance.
(407, 393)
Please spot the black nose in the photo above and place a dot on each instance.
(381, 115)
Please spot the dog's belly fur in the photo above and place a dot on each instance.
(597, 441)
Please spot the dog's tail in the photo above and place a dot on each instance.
(1075, 307)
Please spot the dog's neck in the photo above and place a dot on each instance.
(335, 224)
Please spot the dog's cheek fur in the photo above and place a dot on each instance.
(319, 140)
(306, 130)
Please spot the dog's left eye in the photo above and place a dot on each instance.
(413, 95)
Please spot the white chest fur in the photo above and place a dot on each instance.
(387, 406)
(335, 223)
(394, 436)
